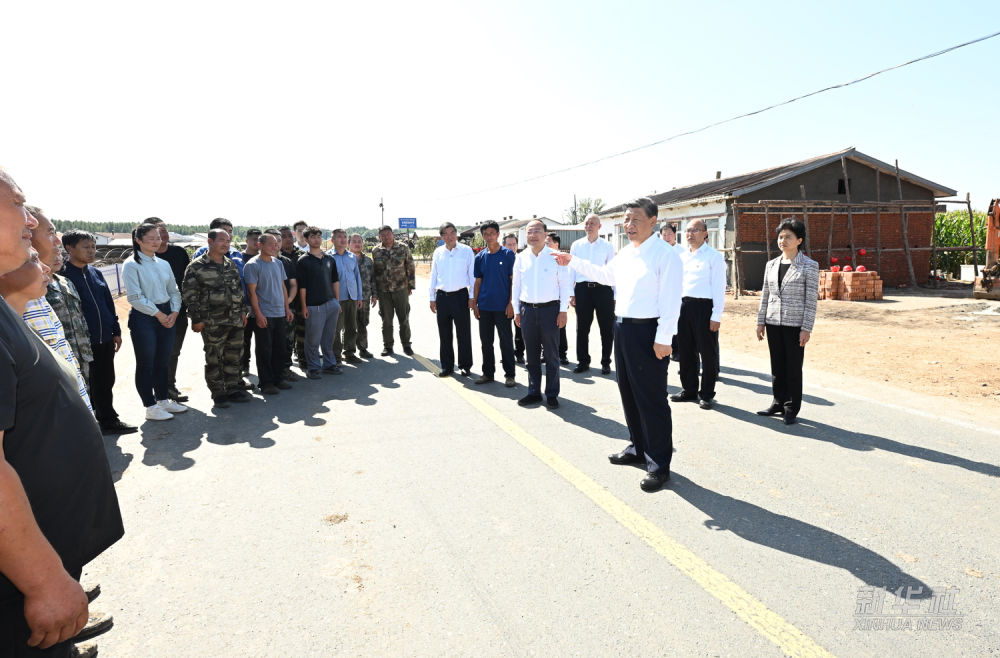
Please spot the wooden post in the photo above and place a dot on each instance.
(878, 223)
(736, 251)
(850, 218)
(972, 227)
(767, 233)
(903, 220)
(805, 216)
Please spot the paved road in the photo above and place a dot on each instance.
(387, 511)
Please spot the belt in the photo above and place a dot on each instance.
(622, 320)
(453, 292)
(554, 302)
(591, 284)
(696, 299)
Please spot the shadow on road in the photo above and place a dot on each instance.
(810, 429)
(118, 459)
(763, 389)
(788, 535)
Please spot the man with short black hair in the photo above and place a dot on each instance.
(554, 242)
(494, 269)
(299, 230)
(510, 241)
(451, 280)
(213, 294)
(252, 249)
(319, 289)
(289, 255)
(540, 290)
(395, 279)
(367, 271)
(265, 281)
(350, 298)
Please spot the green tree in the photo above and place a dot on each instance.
(952, 229)
(425, 246)
(584, 207)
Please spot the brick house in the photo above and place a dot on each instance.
(742, 212)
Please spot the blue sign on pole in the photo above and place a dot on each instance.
(407, 222)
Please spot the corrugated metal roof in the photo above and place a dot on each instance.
(735, 186)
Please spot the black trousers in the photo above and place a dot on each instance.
(247, 335)
(694, 340)
(102, 382)
(642, 384)
(594, 299)
(454, 310)
(518, 341)
(180, 331)
(541, 335)
(498, 321)
(271, 350)
(786, 365)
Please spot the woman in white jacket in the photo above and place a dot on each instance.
(786, 315)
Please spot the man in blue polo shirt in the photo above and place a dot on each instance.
(493, 269)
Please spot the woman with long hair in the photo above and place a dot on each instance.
(786, 315)
(152, 292)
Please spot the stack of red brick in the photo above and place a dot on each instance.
(849, 286)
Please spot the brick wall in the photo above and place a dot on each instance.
(893, 271)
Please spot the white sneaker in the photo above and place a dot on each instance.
(156, 412)
(171, 407)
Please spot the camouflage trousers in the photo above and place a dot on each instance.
(223, 352)
(363, 315)
(296, 339)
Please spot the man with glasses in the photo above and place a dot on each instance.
(702, 299)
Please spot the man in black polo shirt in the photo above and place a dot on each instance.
(319, 290)
(178, 259)
(58, 508)
(253, 248)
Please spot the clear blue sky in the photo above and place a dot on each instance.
(267, 113)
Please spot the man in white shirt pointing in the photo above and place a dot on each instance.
(451, 282)
(702, 300)
(647, 276)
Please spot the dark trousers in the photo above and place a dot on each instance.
(538, 326)
(102, 382)
(180, 330)
(594, 299)
(247, 335)
(153, 344)
(364, 313)
(563, 344)
(295, 340)
(347, 324)
(395, 303)
(498, 321)
(271, 350)
(786, 365)
(642, 383)
(14, 632)
(453, 309)
(694, 340)
(518, 341)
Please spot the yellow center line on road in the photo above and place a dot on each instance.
(768, 623)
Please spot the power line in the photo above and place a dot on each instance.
(724, 121)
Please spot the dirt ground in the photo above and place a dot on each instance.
(938, 346)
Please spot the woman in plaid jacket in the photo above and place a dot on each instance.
(786, 315)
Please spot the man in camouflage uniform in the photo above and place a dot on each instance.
(213, 294)
(365, 266)
(61, 293)
(395, 279)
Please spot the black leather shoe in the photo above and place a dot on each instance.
(622, 458)
(221, 402)
(581, 368)
(605, 370)
(407, 350)
(445, 372)
(552, 402)
(519, 358)
(118, 427)
(773, 410)
(529, 399)
(464, 372)
(655, 481)
(484, 379)
(176, 396)
(564, 361)
(365, 354)
(706, 404)
(790, 418)
(683, 397)
(240, 396)
(387, 351)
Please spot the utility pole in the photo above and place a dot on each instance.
(574, 210)
(381, 205)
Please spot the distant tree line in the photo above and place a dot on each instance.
(125, 228)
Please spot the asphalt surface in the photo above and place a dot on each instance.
(385, 511)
